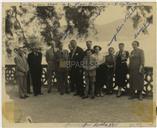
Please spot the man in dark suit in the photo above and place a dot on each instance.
(76, 67)
(71, 83)
(34, 61)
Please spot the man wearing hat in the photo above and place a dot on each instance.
(21, 72)
(34, 61)
(100, 59)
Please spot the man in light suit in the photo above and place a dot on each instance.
(62, 56)
(51, 61)
(21, 72)
(89, 65)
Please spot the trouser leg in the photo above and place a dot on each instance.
(87, 86)
(28, 83)
(67, 87)
(79, 83)
(98, 81)
(39, 84)
(25, 85)
(59, 81)
(20, 86)
(49, 79)
(132, 92)
(63, 82)
(92, 92)
(139, 92)
(72, 84)
(35, 84)
(109, 83)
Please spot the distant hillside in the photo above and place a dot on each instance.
(106, 31)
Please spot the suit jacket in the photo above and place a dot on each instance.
(77, 57)
(92, 50)
(90, 65)
(34, 62)
(21, 65)
(51, 58)
(62, 59)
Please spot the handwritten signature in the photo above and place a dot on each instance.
(144, 27)
(104, 124)
(119, 28)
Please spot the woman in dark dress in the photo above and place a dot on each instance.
(99, 70)
(110, 68)
(71, 82)
(121, 69)
(136, 70)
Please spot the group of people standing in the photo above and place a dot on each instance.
(70, 68)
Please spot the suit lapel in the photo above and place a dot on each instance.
(74, 52)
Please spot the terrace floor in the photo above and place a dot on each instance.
(56, 108)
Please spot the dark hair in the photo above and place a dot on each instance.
(121, 44)
(96, 46)
(135, 41)
(73, 41)
(89, 41)
(110, 48)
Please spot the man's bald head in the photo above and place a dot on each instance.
(73, 44)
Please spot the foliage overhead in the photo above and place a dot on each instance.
(48, 16)
(142, 14)
(79, 19)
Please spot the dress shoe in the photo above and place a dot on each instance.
(48, 91)
(84, 97)
(119, 94)
(29, 92)
(101, 94)
(26, 96)
(22, 97)
(98, 95)
(61, 93)
(140, 97)
(131, 97)
(67, 92)
(76, 94)
(92, 97)
(109, 93)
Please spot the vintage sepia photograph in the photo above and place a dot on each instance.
(78, 64)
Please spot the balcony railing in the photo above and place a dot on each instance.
(148, 78)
